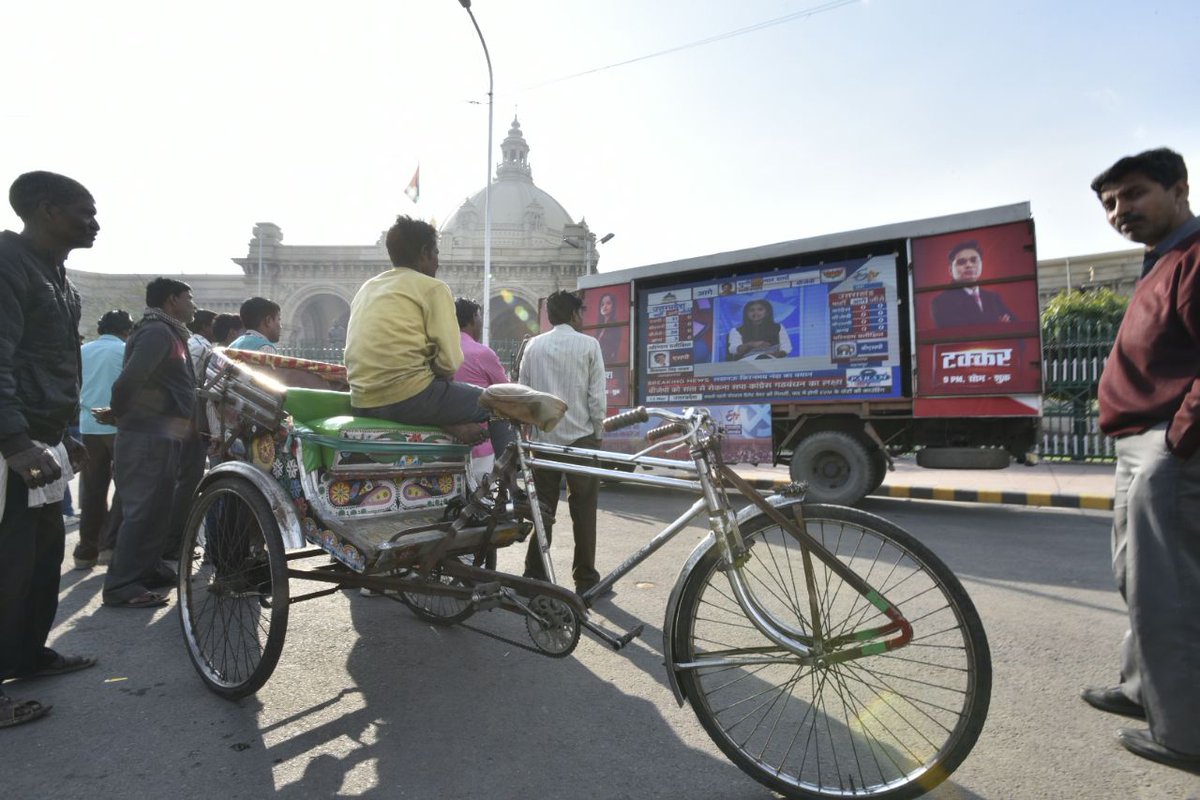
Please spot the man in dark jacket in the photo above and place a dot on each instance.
(152, 401)
(39, 398)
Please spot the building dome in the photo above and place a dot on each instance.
(522, 214)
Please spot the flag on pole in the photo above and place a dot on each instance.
(414, 186)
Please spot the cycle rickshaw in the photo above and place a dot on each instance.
(826, 651)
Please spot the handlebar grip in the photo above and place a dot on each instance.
(663, 431)
(626, 418)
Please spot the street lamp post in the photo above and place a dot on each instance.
(260, 238)
(487, 188)
(587, 248)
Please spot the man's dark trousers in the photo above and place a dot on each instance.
(192, 461)
(583, 494)
(32, 542)
(97, 522)
(147, 467)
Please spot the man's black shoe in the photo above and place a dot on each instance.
(522, 509)
(1141, 743)
(1113, 701)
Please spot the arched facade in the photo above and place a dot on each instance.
(317, 316)
(537, 248)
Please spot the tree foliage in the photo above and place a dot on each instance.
(1094, 309)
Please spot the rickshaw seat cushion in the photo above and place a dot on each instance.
(317, 408)
(528, 406)
(306, 405)
(328, 414)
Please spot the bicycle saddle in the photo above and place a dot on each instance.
(524, 405)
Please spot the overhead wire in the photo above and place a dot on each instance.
(808, 12)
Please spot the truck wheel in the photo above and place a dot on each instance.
(963, 458)
(836, 467)
(879, 467)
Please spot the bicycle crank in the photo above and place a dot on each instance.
(553, 626)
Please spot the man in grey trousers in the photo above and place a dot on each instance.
(152, 401)
(1150, 401)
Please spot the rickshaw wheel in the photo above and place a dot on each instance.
(233, 588)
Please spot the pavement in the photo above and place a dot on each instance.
(1055, 484)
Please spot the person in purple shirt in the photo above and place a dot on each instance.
(481, 367)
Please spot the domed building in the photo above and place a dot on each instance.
(536, 249)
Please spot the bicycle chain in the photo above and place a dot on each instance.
(513, 642)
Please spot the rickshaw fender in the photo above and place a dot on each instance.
(776, 500)
(281, 505)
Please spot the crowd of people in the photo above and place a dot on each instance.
(413, 355)
(119, 410)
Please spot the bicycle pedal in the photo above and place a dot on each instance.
(617, 643)
(486, 596)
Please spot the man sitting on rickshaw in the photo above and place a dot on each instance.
(403, 346)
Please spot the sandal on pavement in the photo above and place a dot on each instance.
(143, 600)
(13, 713)
(60, 665)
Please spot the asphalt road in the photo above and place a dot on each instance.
(368, 701)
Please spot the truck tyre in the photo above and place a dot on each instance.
(879, 469)
(836, 467)
(963, 458)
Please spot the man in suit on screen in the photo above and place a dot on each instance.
(967, 304)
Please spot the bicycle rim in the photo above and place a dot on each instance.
(233, 588)
(890, 725)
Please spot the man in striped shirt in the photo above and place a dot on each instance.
(568, 364)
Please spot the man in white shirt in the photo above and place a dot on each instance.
(570, 365)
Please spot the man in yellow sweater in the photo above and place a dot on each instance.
(402, 342)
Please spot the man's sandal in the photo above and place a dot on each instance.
(13, 713)
(61, 665)
(143, 600)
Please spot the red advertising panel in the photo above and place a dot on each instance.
(606, 319)
(616, 386)
(994, 366)
(976, 304)
(606, 305)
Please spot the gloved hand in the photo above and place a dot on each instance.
(36, 466)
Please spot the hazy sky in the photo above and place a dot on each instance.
(191, 126)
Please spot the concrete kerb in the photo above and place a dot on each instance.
(1090, 501)
(1072, 485)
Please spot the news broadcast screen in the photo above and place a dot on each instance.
(809, 333)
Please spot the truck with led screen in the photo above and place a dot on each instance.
(844, 349)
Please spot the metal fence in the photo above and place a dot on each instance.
(1073, 357)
